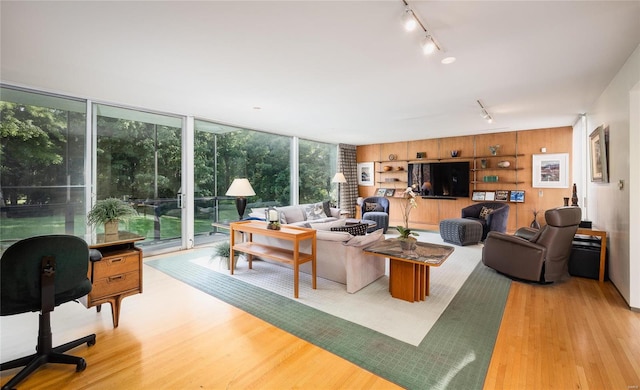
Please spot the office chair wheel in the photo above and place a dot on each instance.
(81, 365)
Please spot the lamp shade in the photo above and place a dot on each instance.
(339, 178)
(240, 187)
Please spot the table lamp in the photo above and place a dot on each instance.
(339, 178)
(240, 188)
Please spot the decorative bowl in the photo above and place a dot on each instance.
(386, 168)
(504, 164)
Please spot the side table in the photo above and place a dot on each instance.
(603, 247)
(117, 275)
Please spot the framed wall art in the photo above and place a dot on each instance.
(478, 195)
(599, 148)
(516, 196)
(365, 174)
(502, 195)
(551, 170)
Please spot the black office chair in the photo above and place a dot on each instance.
(38, 274)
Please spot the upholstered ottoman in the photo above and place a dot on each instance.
(461, 231)
(380, 218)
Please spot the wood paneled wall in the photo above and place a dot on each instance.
(524, 143)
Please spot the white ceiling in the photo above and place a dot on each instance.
(337, 71)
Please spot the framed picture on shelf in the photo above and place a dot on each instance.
(478, 195)
(390, 192)
(381, 192)
(502, 195)
(599, 148)
(365, 174)
(490, 195)
(551, 170)
(516, 196)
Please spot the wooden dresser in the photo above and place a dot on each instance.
(117, 275)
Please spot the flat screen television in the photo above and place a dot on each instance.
(440, 179)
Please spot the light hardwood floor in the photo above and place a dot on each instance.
(576, 335)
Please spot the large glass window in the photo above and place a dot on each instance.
(316, 167)
(42, 157)
(139, 158)
(223, 153)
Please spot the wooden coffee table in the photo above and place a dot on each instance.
(409, 269)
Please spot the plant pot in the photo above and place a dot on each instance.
(408, 245)
(111, 229)
(225, 260)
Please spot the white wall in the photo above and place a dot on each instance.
(608, 206)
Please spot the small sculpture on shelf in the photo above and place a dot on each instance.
(534, 223)
(574, 196)
(494, 149)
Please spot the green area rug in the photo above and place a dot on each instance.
(455, 354)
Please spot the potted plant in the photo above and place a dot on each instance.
(407, 204)
(110, 212)
(223, 251)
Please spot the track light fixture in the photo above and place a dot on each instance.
(410, 21)
(428, 46)
(485, 114)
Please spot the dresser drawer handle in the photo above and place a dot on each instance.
(116, 260)
(116, 278)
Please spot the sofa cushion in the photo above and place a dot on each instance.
(359, 229)
(292, 214)
(315, 211)
(326, 225)
(365, 240)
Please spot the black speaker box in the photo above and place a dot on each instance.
(585, 259)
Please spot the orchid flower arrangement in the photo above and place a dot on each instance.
(407, 204)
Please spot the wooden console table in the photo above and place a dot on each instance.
(294, 257)
(603, 247)
(117, 275)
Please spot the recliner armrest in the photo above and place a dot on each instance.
(526, 233)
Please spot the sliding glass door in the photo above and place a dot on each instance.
(138, 160)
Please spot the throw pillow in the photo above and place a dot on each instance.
(484, 213)
(359, 229)
(327, 208)
(372, 207)
(315, 211)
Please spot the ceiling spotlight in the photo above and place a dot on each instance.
(409, 20)
(448, 60)
(485, 114)
(428, 46)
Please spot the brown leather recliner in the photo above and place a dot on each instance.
(539, 257)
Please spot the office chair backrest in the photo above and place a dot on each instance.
(20, 269)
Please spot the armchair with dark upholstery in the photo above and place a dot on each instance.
(539, 257)
(496, 221)
(37, 274)
(376, 208)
